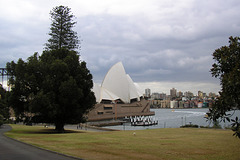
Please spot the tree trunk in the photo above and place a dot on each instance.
(59, 127)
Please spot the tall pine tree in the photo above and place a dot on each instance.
(61, 33)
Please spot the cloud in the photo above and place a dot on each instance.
(157, 41)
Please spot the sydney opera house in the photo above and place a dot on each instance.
(118, 96)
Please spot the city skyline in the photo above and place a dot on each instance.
(179, 91)
(166, 87)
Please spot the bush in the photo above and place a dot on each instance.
(205, 127)
(189, 126)
(228, 127)
(216, 125)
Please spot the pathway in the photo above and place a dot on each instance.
(14, 150)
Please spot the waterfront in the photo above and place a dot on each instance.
(174, 118)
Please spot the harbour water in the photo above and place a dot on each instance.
(174, 118)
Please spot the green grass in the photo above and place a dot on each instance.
(167, 143)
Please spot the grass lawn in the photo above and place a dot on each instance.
(167, 143)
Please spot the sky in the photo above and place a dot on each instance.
(161, 43)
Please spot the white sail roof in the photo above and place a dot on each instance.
(117, 85)
(133, 92)
(102, 93)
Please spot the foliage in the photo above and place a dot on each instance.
(1, 120)
(216, 125)
(4, 109)
(236, 127)
(227, 69)
(61, 33)
(53, 88)
(56, 86)
(204, 127)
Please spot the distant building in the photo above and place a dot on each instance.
(200, 104)
(204, 94)
(181, 104)
(155, 96)
(173, 93)
(188, 94)
(200, 94)
(163, 96)
(173, 104)
(148, 92)
(184, 98)
(179, 94)
(160, 103)
(186, 104)
(165, 104)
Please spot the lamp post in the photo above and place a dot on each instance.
(182, 121)
(115, 102)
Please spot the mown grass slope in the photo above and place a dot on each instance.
(167, 143)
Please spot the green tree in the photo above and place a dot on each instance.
(1, 120)
(50, 89)
(56, 86)
(61, 33)
(227, 69)
(4, 109)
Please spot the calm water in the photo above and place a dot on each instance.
(168, 118)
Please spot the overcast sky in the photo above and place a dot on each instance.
(161, 43)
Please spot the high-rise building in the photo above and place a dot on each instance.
(173, 93)
(163, 96)
(200, 94)
(204, 94)
(179, 94)
(188, 94)
(148, 92)
(155, 96)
